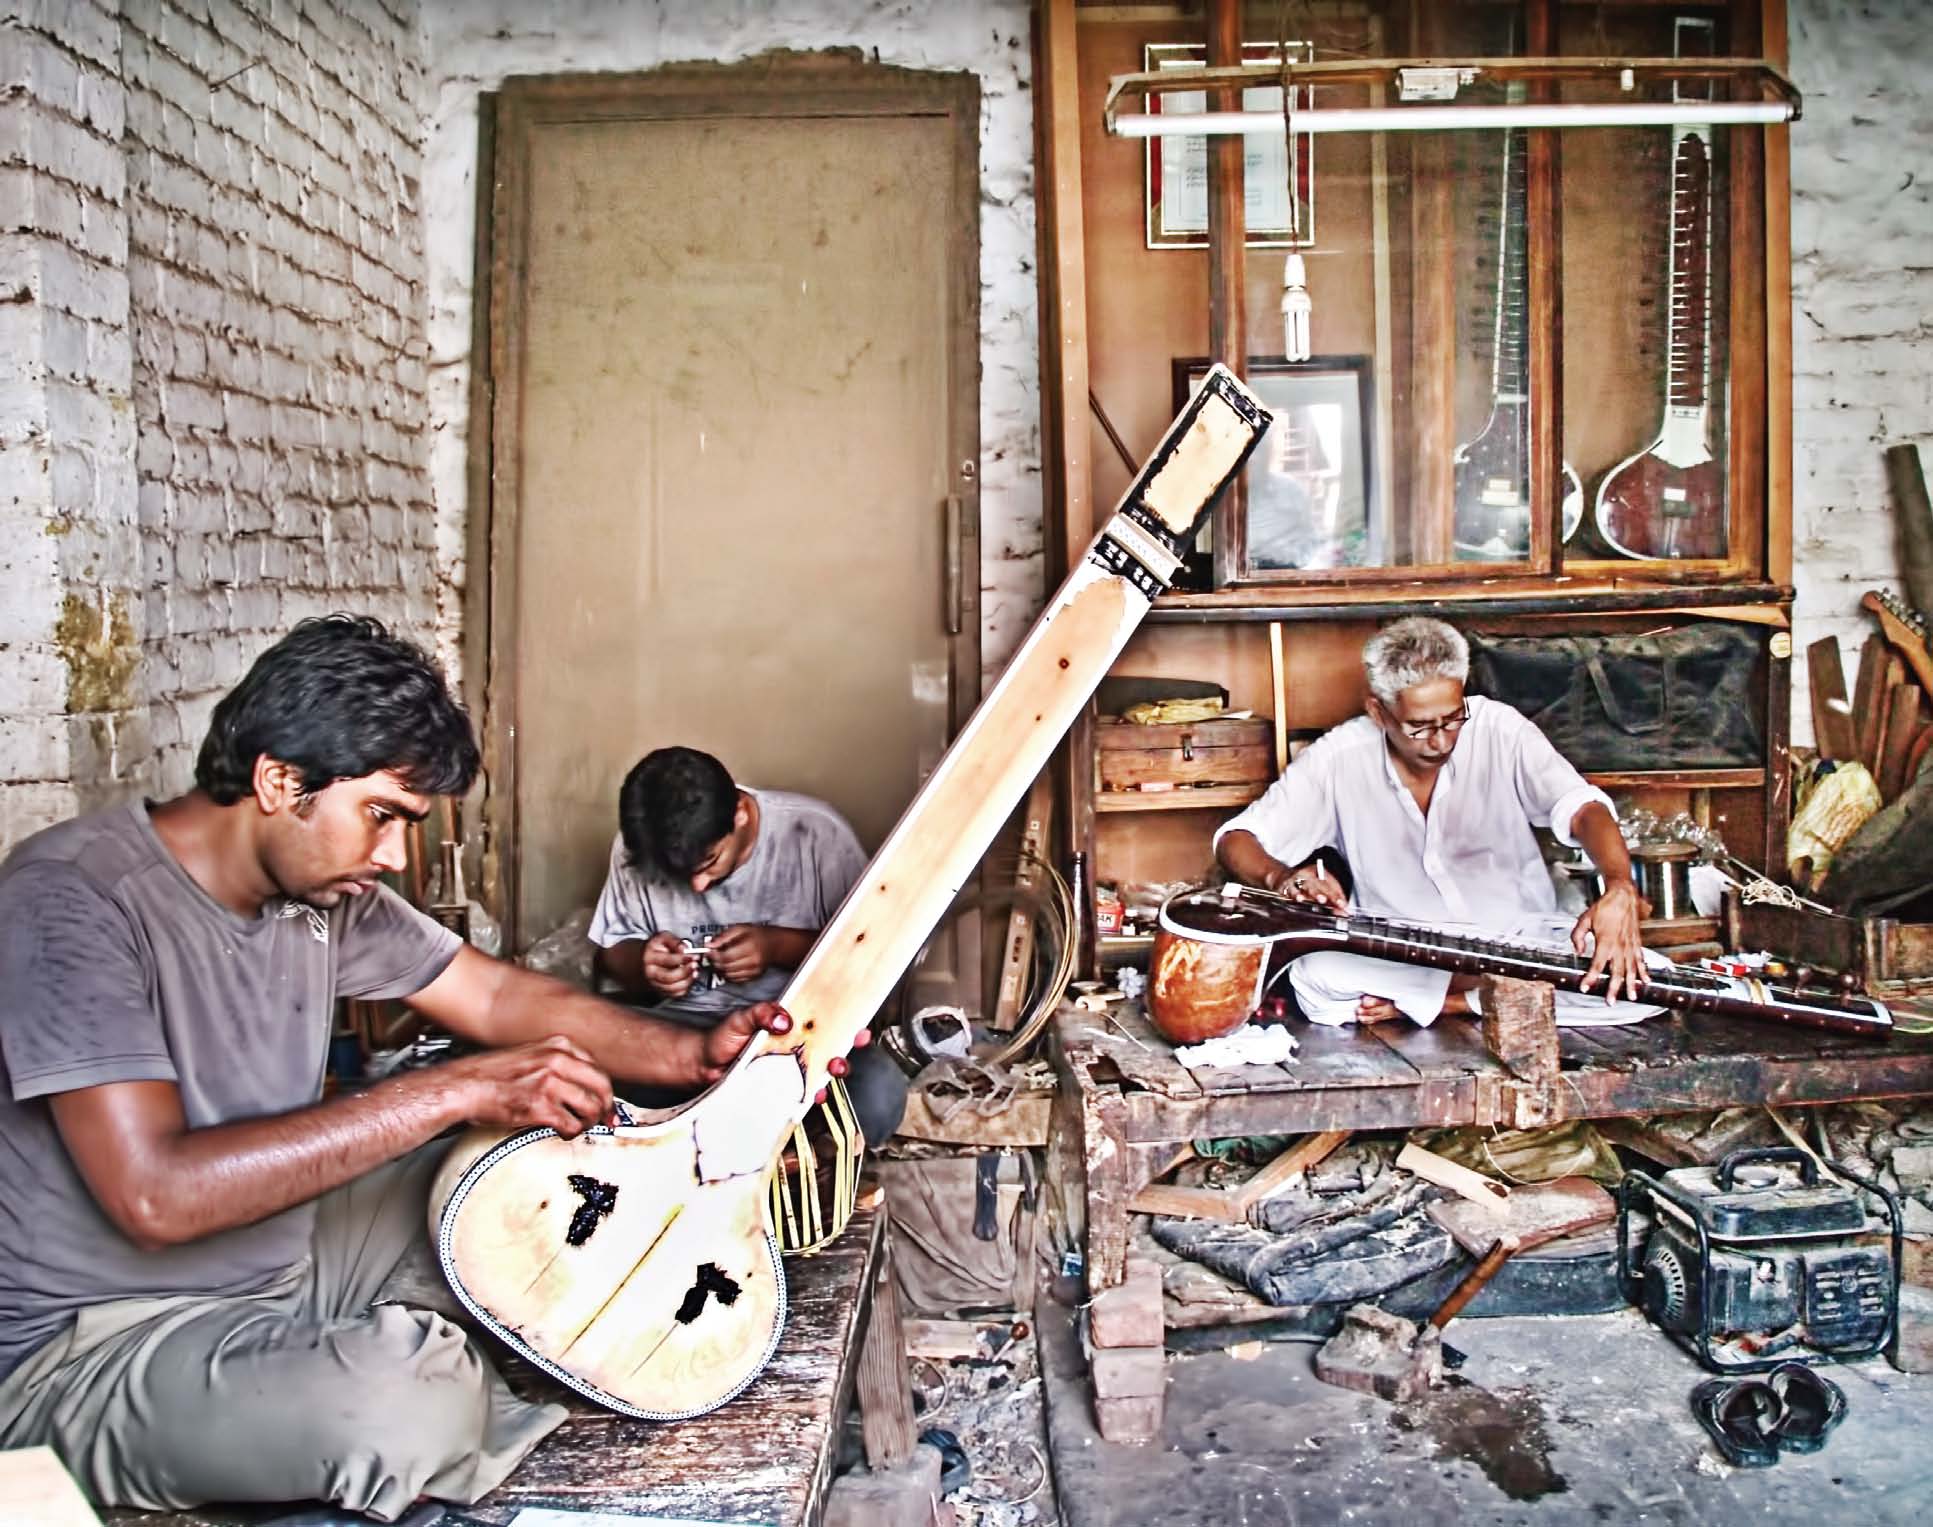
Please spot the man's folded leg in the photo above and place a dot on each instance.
(302, 1392)
(1328, 984)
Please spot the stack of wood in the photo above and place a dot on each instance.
(1887, 723)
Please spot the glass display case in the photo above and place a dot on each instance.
(1538, 323)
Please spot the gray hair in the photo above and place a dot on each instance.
(1413, 651)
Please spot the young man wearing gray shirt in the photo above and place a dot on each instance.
(716, 892)
(191, 1235)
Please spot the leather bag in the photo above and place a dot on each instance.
(1680, 698)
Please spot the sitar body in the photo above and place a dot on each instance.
(635, 1263)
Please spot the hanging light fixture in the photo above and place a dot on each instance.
(1297, 308)
(1377, 119)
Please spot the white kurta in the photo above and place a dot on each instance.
(1473, 860)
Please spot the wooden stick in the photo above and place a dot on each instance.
(1867, 697)
(1290, 1164)
(1832, 727)
(1445, 1173)
(1232, 1205)
(1902, 728)
(1279, 688)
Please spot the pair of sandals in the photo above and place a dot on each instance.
(1753, 1420)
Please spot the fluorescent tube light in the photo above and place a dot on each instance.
(1416, 119)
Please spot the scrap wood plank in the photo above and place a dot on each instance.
(1902, 729)
(1231, 1205)
(1868, 698)
(1831, 713)
(1017, 957)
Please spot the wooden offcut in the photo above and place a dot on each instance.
(1832, 723)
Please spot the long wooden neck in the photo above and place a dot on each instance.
(1678, 986)
(877, 932)
(1509, 367)
(1688, 331)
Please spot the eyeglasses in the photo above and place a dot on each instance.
(1416, 731)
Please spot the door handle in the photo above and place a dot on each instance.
(962, 525)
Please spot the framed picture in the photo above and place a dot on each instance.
(1309, 499)
(1177, 168)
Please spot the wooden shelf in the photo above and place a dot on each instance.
(1687, 779)
(1177, 800)
(1515, 596)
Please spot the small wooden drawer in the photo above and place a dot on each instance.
(1226, 751)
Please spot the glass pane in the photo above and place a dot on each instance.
(1646, 302)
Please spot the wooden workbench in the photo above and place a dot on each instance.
(1125, 1102)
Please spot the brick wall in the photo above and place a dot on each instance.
(276, 280)
(1862, 302)
(474, 44)
(72, 704)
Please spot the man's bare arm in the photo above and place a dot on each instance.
(162, 1183)
(1243, 856)
(497, 1003)
(1612, 921)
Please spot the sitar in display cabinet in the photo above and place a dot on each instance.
(1492, 484)
(635, 1262)
(1668, 500)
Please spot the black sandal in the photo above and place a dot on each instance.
(1810, 1405)
(1739, 1414)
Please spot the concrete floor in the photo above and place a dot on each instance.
(1582, 1419)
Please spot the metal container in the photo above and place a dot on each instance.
(1663, 874)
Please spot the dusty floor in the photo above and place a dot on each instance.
(1572, 1420)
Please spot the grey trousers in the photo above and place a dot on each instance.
(306, 1391)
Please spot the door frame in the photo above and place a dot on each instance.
(777, 84)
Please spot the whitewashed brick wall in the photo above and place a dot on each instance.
(474, 44)
(72, 708)
(212, 366)
(1862, 302)
(277, 293)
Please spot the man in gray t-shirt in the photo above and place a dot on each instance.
(715, 894)
(191, 1235)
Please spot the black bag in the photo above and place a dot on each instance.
(1681, 698)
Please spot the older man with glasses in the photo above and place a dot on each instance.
(1430, 799)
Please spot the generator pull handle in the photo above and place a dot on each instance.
(1808, 1165)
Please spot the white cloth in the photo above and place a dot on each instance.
(1328, 985)
(1473, 860)
(1253, 1044)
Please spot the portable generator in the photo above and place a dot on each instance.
(1758, 1261)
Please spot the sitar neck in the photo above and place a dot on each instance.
(1688, 321)
(1509, 364)
(1678, 986)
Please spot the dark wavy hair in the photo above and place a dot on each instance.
(337, 698)
(674, 805)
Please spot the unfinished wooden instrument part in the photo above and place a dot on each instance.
(635, 1263)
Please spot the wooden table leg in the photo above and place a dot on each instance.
(1104, 1148)
(885, 1391)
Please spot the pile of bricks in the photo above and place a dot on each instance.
(1128, 1361)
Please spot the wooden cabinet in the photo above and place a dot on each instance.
(1552, 386)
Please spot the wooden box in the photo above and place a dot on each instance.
(1878, 950)
(1223, 751)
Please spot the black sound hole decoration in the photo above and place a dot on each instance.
(600, 1198)
(710, 1281)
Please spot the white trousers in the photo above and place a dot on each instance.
(1329, 984)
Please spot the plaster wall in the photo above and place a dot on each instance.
(474, 45)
